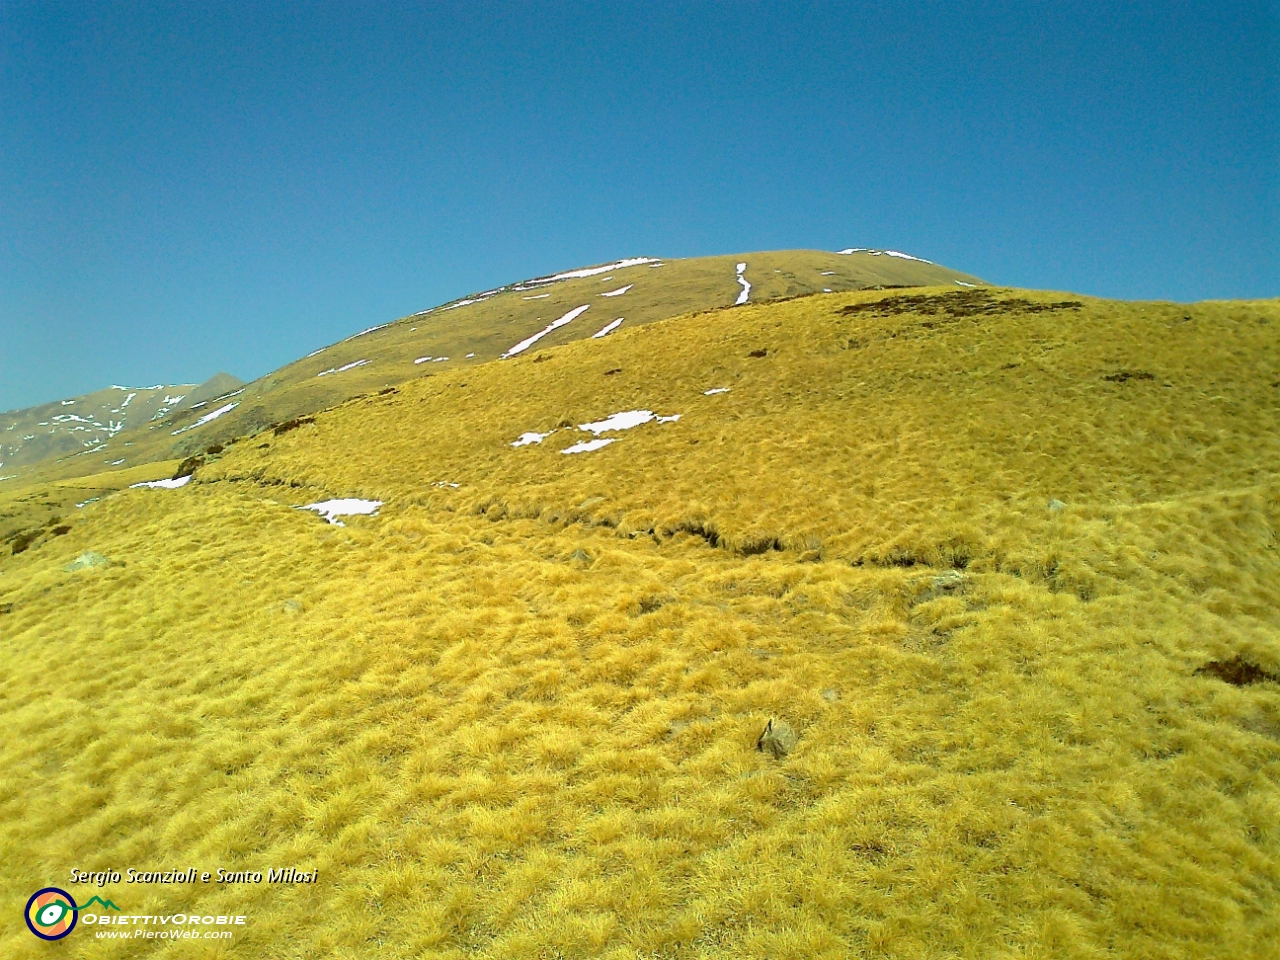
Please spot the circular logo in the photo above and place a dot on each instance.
(51, 913)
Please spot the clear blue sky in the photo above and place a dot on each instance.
(190, 187)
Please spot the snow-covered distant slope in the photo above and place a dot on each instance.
(84, 426)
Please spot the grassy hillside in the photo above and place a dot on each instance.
(1004, 561)
(463, 333)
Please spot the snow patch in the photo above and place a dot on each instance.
(714, 390)
(746, 287)
(541, 296)
(161, 484)
(607, 329)
(963, 284)
(588, 445)
(348, 507)
(525, 344)
(531, 437)
(619, 292)
(469, 356)
(422, 360)
(618, 421)
(905, 256)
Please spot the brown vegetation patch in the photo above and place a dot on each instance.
(962, 303)
(1238, 672)
(22, 540)
(1126, 375)
(293, 424)
(188, 467)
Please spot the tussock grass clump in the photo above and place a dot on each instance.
(522, 716)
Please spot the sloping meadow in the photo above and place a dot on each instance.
(1004, 562)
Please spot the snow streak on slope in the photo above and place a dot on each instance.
(746, 287)
(587, 272)
(607, 329)
(619, 292)
(214, 415)
(525, 344)
(349, 366)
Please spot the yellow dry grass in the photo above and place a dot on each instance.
(517, 718)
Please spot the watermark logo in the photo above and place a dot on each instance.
(51, 913)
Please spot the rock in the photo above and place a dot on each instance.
(778, 739)
(1056, 505)
(831, 695)
(581, 557)
(292, 606)
(87, 560)
(948, 582)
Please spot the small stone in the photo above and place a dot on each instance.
(292, 606)
(1056, 505)
(831, 695)
(86, 560)
(778, 739)
(580, 556)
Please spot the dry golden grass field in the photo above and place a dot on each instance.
(1006, 562)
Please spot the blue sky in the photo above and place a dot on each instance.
(191, 187)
